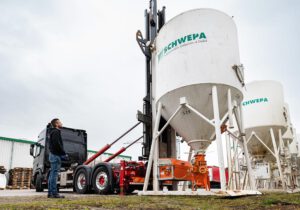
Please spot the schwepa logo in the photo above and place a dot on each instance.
(182, 41)
(255, 101)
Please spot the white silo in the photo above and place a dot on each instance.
(266, 120)
(264, 116)
(204, 58)
(197, 76)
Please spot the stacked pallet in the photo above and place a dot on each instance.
(20, 178)
(2, 170)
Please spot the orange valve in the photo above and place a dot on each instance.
(202, 169)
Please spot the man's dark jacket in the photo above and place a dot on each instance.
(56, 146)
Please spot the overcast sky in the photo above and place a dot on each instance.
(79, 61)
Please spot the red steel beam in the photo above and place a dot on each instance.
(121, 150)
(106, 147)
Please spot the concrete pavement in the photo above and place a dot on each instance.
(31, 192)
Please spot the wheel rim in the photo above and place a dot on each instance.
(81, 181)
(101, 180)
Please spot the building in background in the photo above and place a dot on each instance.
(15, 153)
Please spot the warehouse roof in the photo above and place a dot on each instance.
(25, 141)
(17, 140)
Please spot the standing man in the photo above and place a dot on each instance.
(57, 153)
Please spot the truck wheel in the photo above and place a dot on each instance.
(39, 183)
(101, 181)
(81, 181)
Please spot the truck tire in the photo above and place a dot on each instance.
(39, 183)
(81, 181)
(101, 181)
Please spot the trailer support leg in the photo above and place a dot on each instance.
(122, 174)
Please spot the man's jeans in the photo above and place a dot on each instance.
(55, 162)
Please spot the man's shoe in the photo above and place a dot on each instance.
(56, 196)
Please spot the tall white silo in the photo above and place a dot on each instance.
(265, 121)
(197, 76)
(191, 68)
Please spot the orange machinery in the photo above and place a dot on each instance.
(171, 169)
(179, 170)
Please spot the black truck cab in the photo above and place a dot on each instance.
(75, 146)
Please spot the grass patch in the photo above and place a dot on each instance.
(266, 201)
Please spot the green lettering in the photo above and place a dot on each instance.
(195, 36)
(165, 50)
(174, 43)
(160, 55)
(181, 40)
(253, 101)
(202, 36)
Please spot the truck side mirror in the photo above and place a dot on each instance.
(38, 149)
(35, 150)
(31, 149)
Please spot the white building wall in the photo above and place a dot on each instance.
(21, 156)
(5, 153)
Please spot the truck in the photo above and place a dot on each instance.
(78, 173)
(75, 145)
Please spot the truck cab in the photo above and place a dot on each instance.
(75, 145)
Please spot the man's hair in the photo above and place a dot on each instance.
(53, 122)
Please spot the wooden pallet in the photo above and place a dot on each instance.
(10, 187)
(20, 178)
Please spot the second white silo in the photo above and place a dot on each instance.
(264, 112)
(265, 121)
